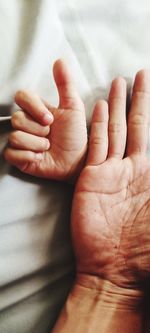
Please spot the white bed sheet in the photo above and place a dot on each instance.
(100, 40)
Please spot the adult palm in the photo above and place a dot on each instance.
(111, 206)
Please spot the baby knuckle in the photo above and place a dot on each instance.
(11, 137)
(14, 120)
(30, 155)
(17, 119)
(14, 137)
(7, 154)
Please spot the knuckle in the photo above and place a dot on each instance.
(116, 99)
(141, 94)
(17, 119)
(14, 137)
(6, 153)
(137, 119)
(114, 128)
(119, 80)
(97, 140)
(116, 154)
(139, 148)
(14, 120)
(30, 155)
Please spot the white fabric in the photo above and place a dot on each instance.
(99, 40)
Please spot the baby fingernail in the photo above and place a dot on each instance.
(48, 118)
(39, 156)
(47, 144)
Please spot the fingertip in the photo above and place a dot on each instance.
(59, 64)
(20, 95)
(143, 73)
(118, 87)
(48, 118)
(61, 73)
(119, 80)
(138, 120)
(142, 79)
(101, 104)
(100, 111)
(68, 94)
(32, 104)
(57, 67)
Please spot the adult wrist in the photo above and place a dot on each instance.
(108, 293)
(96, 305)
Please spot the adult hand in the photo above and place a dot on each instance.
(111, 206)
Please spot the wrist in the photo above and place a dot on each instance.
(108, 293)
(95, 305)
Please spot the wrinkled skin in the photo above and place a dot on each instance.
(111, 206)
(112, 214)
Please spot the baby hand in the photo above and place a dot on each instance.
(49, 142)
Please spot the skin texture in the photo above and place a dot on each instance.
(111, 217)
(111, 206)
(100, 307)
(49, 142)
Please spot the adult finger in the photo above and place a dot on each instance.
(117, 118)
(32, 104)
(98, 141)
(138, 119)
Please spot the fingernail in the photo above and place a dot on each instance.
(47, 144)
(48, 118)
(39, 156)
